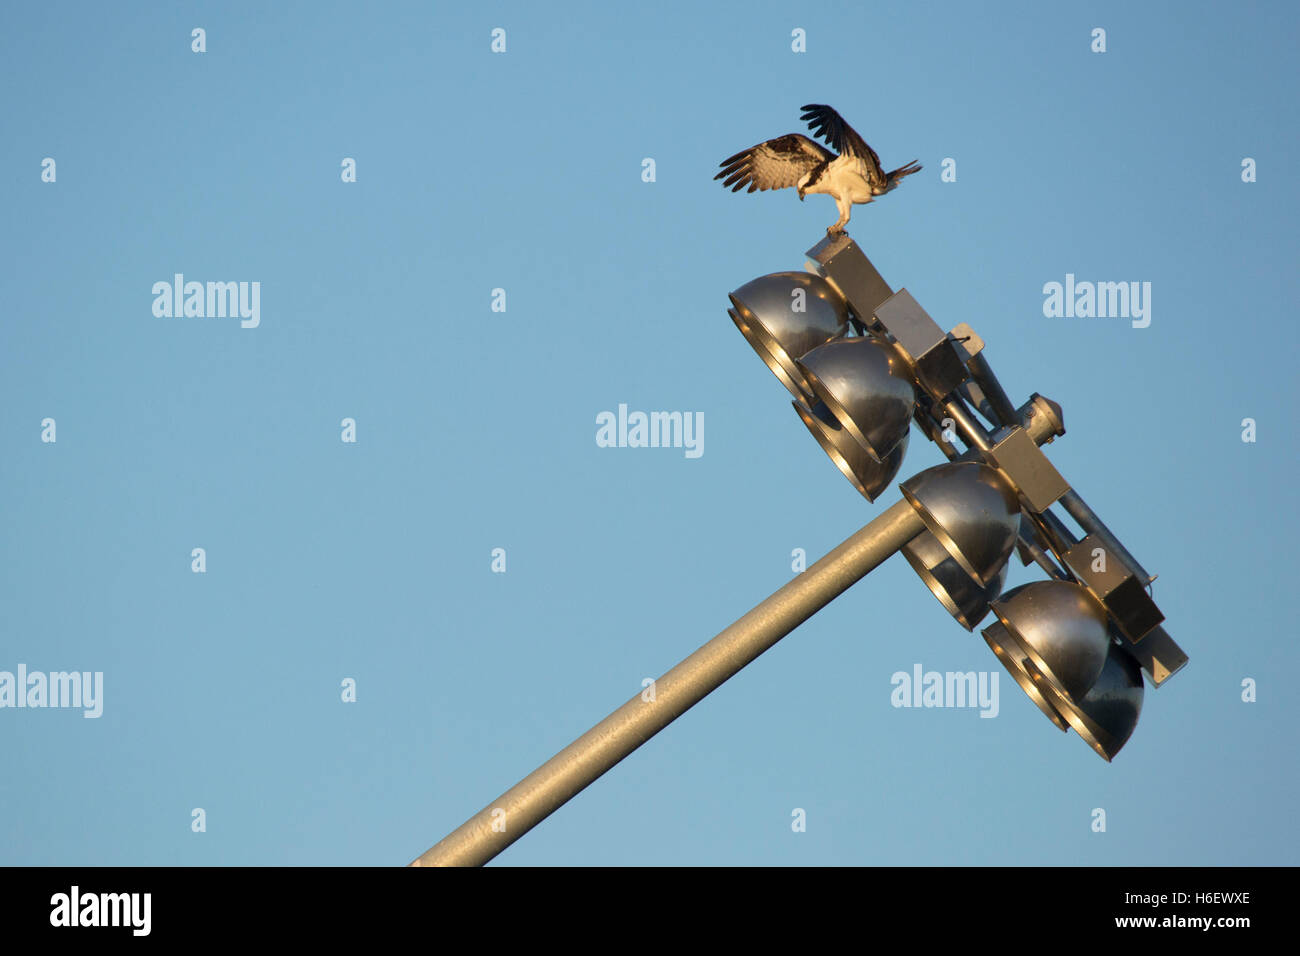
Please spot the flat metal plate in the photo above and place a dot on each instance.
(1029, 470)
(1117, 585)
(1159, 656)
(847, 267)
(909, 324)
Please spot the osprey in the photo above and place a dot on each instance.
(854, 176)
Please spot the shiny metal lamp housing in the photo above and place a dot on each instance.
(964, 598)
(785, 315)
(1108, 714)
(972, 512)
(868, 475)
(866, 387)
(1012, 654)
(1063, 629)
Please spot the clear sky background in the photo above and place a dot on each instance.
(476, 429)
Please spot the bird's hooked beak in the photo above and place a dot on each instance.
(800, 192)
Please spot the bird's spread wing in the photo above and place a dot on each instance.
(843, 138)
(776, 164)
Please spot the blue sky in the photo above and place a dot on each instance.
(476, 429)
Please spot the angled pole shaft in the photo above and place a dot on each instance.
(566, 774)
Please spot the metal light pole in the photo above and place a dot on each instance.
(555, 782)
(863, 363)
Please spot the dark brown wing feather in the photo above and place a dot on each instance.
(843, 138)
(775, 164)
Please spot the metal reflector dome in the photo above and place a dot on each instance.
(1108, 714)
(1063, 629)
(868, 475)
(973, 513)
(866, 387)
(786, 315)
(965, 598)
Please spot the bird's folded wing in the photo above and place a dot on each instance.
(775, 164)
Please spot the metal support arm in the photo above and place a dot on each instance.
(566, 774)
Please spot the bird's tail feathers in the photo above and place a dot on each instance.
(892, 178)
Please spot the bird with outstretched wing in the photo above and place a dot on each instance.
(852, 176)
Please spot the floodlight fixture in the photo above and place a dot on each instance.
(785, 315)
(866, 387)
(972, 512)
(1062, 628)
(961, 595)
(1108, 713)
(863, 362)
(869, 476)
